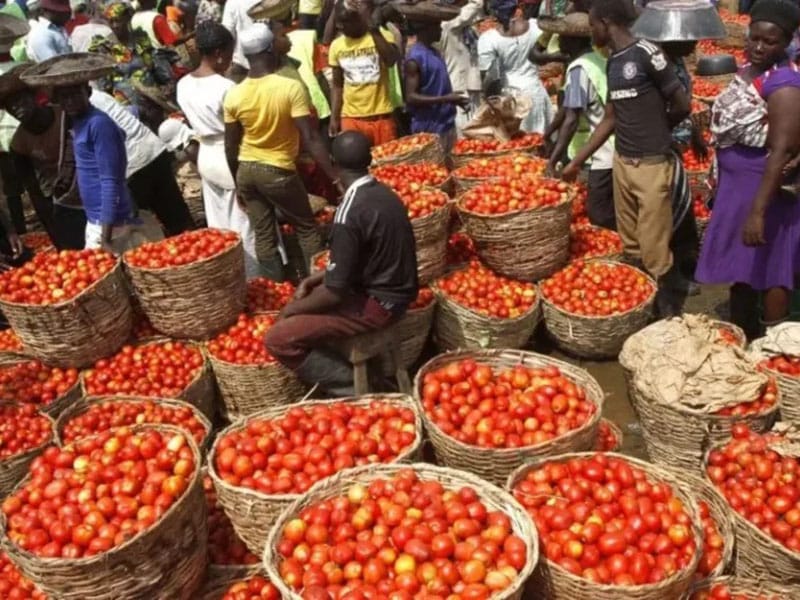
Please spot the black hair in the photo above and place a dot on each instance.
(781, 13)
(352, 151)
(211, 37)
(618, 12)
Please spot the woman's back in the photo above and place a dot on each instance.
(510, 52)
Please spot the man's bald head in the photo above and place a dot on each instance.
(351, 151)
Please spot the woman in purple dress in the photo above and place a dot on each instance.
(753, 240)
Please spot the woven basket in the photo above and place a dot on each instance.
(76, 333)
(456, 326)
(555, 583)
(430, 234)
(676, 436)
(252, 513)
(464, 184)
(595, 337)
(615, 429)
(495, 499)
(789, 394)
(459, 160)
(751, 588)
(87, 402)
(737, 35)
(495, 464)
(414, 329)
(220, 578)
(167, 561)
(526, 244)
(14, 468)
(430, 152)
(197, 300)
(248, 389)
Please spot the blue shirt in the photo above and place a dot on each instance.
(433, 81)
(100, 161)
(47, 40)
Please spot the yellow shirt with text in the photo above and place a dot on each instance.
(366, 79)
(266, 107)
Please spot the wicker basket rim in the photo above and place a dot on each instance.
(35, 450)
(744, 585)
(187, 266)
(442, 297)
(400, 156)
(512, 213)
(493, 153)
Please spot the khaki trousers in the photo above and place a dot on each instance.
(642, 202)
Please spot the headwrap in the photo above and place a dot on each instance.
(782, 13)
(503, 10)
(256, 39)
(116, 9)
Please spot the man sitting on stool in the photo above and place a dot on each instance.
(370, 280)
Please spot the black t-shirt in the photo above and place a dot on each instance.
(640, 83)
(372, 247)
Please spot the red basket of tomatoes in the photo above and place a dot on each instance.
(148, 541)
(420, 509)
(191, 285)
(592, 306)
(762, 467)
(258, 471)
(466, 150)
(738, 588)
(415, 148)
(588, 551)
(525, 406)
(69, 308)
(24, 433)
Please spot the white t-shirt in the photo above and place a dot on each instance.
(235, 19)
(141, 144)
(200, 99)
(82, 35)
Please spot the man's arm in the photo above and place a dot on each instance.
(663, 74)
(337, 94)
(387, 51)
(414, 98)
(465, 17)
(321, 299)
(568, 128)
(313, 143)
(111, 159)
(599, 137)
(233, 139)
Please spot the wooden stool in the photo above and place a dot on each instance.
(360, 349)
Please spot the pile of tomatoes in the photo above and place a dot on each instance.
(423, 299)
(9, 341)
(265, 295)
(22, 428)
(603, 519)
(504, 408)
(111, 414)
(243, 343)
(403, 145)
(588, 242)
(783, 364)
(255, 588)
(765, 402)
(155, 370)
(700, 208)
(702, 88)
(713, 543)
(411, 176)
(721, 591)
(224, 546)
(506, 167)
(725, 335)
(423, 201)
(37, 241)
(460, 249)
(698, 107)
(79, 502)
(14, 585)
(321, 260)
(53, 277)
(182, 249)
(522, 193)
(597, 289)
(607, 440)
(485, 292)
(694, 162)
(400, 537)
(759, 483)
(518, 142)
(710, 47)
(286, 455)
(35, 383)
(580, 216)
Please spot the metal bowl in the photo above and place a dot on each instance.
(716, 64)
(679, 21)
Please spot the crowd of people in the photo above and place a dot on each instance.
(258, 105)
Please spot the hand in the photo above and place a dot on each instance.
(303, 290)
(551, 170)
(334, 127)
(17, 248)
(753, 232)
(285, 313)
(463, 102)
(570, 172)
(791, 165)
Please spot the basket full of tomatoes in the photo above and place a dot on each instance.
(50, 389)
(254, 587)
(24, 433)
(143, 538)
(493, 170)
(11, 348)
(191, 285)
(785, 370)
(591, 241)
(415, 326)
(609, 436)
(466, 150)
(415, 148)
(612, 527)
(477, 308)
(69, 308)
(738, 588)
(591, 307)
(249, 378)
(261, 464)
(524, 406)
(416, 527)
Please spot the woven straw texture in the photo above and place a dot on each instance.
(494, 498)
(596, 337)
(459, 160)
(431, 152)
(737, 35)
(87, 402)
(456, 326)
(464, 184)
(675, 436)
(62, 403)
(430, 234)
(14, 468)
(758, 556)
(751, 588)
(555, 583)
(789, 393)
(252, 513)
(165, 562)
(196, 301)
(76, 333)
(248, 389)
(526, 245)
(69, 69)
(414, 328)
(495, 464)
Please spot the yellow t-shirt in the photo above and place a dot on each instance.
(265, 107)
(366, 79)
(310, 7)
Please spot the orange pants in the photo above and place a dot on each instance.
(378, 131)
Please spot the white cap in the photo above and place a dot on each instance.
(256, 39)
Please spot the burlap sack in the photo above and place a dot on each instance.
(498, 117)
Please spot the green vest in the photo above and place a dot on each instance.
(594, 64)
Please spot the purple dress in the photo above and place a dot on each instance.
(724, 257)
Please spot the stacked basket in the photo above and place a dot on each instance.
(15, 467)
(419, 147)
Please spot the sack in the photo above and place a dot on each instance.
(780, 339)
(499, 117)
